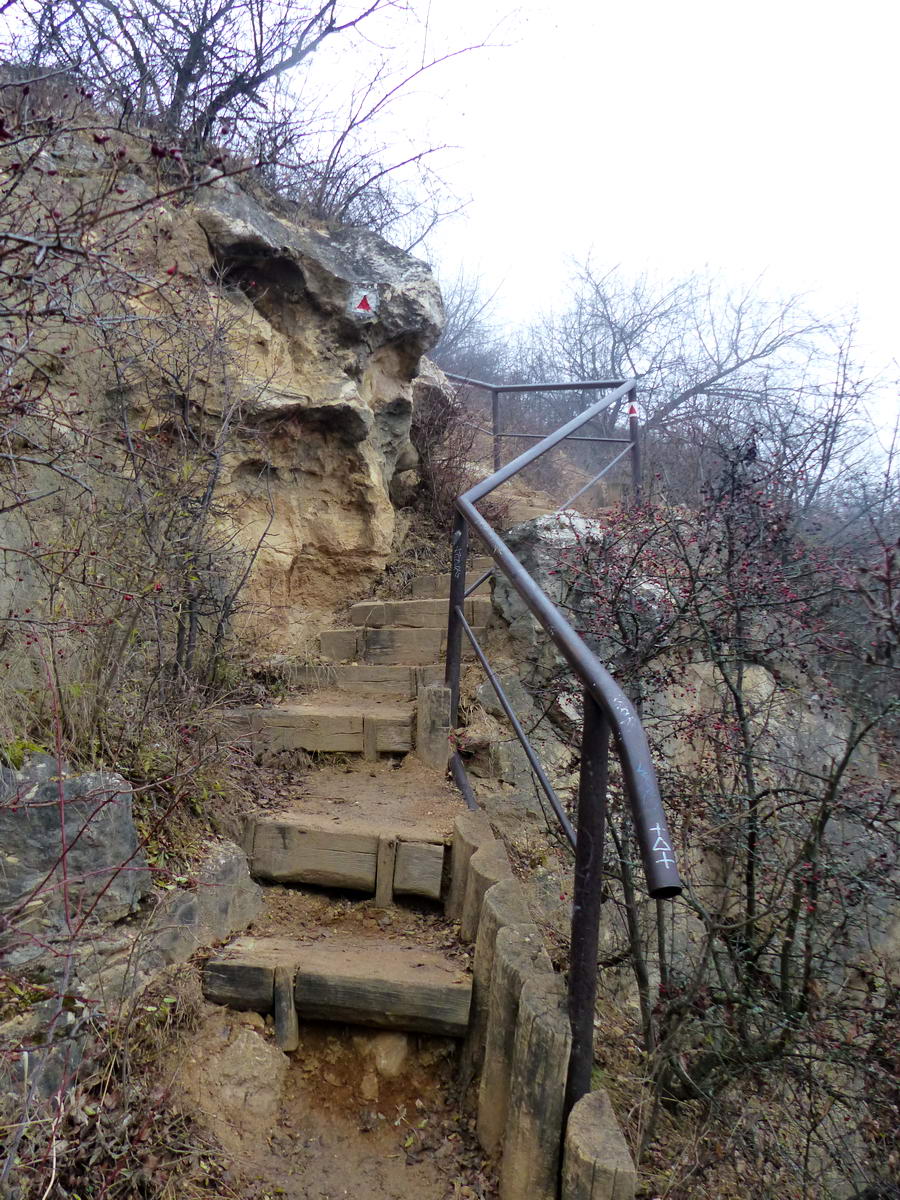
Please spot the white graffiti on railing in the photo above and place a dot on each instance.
(623, 708)
(661, 847)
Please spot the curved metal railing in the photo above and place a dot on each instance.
(607, 711)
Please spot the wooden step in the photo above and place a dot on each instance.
(387, 982)
(426, 587)
(332, 723)
(479, 563)
(415, 614)
(402, 645)
(343, 852)
(361, 679)
(383, 647)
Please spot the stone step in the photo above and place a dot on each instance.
(361, 679)
(386, 982)
(413, 647)
(347, 852)
(479, 563)
(329, 723)
(425, 587)
(415, 614)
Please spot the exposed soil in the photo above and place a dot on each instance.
(304, 912)
(389, 792)
(352, 1113)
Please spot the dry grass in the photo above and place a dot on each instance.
(117, 1132)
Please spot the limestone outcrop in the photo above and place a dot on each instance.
(78, 915)
(94, 867)
(283, 351)
(328, 327)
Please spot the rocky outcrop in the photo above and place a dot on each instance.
(327, 329)
(353, 277)
(284, 354)
(224, 899)
(540, 544)
(68, 848)
(72, 864)
(73, 936)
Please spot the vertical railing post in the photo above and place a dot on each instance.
(495, 426)
(459, 545)
(634, 432)
(587, 897)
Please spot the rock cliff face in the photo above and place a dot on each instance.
(328, 329)
(291, 346)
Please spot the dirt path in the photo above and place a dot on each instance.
(392, 791)
(353, 1112)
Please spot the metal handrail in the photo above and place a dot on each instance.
(606, 710)
(504, 389)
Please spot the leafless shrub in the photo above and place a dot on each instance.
(773, 973)
(237, 74)
(446, 435)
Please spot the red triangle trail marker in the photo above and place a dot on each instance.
(362, 303)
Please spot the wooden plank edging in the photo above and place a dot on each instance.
(519, 1035)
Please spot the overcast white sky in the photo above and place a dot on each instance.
(753, 138)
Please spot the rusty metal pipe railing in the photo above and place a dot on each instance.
(586, 385)
(503, 389)
(533, 760)
(473, 587)
(631, 741)
(607, 713)
(536, 437)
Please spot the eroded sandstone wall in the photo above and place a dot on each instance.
(327, 395)
(287, 350)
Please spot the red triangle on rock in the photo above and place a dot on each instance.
(364, 305)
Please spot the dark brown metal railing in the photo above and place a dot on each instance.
(607, 710)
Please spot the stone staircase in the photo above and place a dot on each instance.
(360, 702)
(364, 691)
(438, 939)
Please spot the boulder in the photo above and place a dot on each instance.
(225, 899)
(541, 545)
(235, 1077)
(110, 964)
(69, 846)
(335, 269)
(113, 964)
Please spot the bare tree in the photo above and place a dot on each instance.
(333, 162)
(473, 342)
(688, 342)
(186, 67)
(238, 74)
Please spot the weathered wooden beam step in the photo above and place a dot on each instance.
(402, 645)
(330, 852)
(333, 723)
(428, 587)
(387, 983)
(339, 645)
(415, 614)
(384, 647)
(361, 679)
